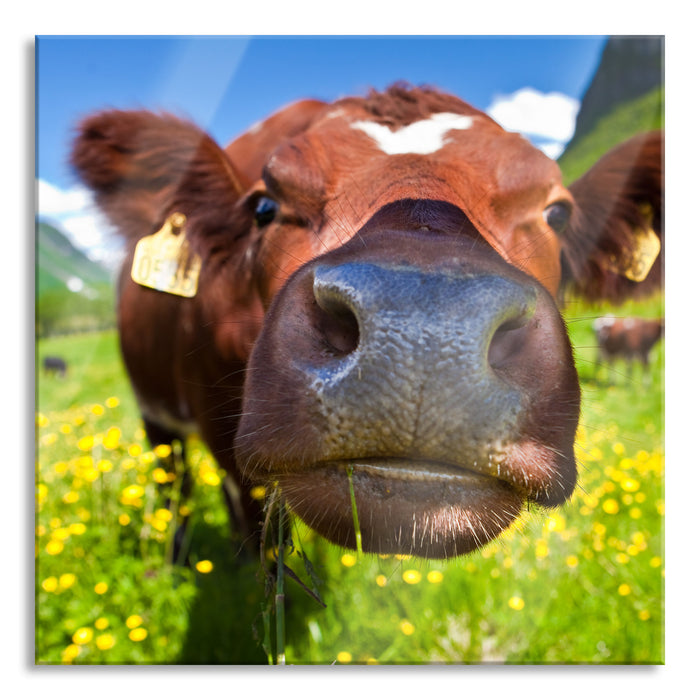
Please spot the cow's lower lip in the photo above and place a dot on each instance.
(404, 506)
(411, 470)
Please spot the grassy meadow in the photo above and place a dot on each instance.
(583, 584)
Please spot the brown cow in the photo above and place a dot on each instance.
(374, 285)
(627, 338)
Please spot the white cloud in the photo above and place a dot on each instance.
(54, 202)
(553, 149)
(74, 211)
(548, 119)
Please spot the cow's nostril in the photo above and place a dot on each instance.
(337, 324)
(508, 341)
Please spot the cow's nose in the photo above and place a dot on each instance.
(416, 357)
(486, 315)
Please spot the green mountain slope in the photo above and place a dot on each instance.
(73, 293)
(58, 260)
(645, 113)
(625, 97)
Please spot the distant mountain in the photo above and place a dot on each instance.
(59, 264)
(73, 293)
(625, 97)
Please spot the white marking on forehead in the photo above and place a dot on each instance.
(423, 137)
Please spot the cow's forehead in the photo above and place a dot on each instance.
(462, 150)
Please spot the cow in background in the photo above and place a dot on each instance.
(54, 365)
(628, 339)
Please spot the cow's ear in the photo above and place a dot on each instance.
(142, 167)
(613, 246)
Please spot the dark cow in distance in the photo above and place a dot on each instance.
(368, 285)
(628, 339)
(54, 365)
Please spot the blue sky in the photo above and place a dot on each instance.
(225, 84)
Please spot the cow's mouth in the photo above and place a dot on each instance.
(424, 508)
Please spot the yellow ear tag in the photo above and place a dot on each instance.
(163, 261)
(638, 263)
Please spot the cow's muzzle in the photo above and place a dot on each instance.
(450, 396)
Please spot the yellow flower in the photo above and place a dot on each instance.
(133, 621)
(344, 657)
(124, 519)
(595, 454)
(50, 584)
(86, 443)
(54, 547)
(555, 523)
(572, 561)
(131, 495)
(541, 549)
(49, 439)
(66, 580)
(655, 562)
(407, 628)
(82, 636)
(66, 429)
(134, 450)
(411, 576)
(105, 641)
(516, 603)
(630, 484)
(381, 580)
(101, 623)
(112, 402)
(77, 529)
(42, 491)
(70, 653)
(111, 438)
(164, 514)
(619, 449)
(160, 476)
(258, 493)
(434, 576)
(611, 506)
(41, 420)
(101, 588)
(644, 615)
(71, 497)
(624, 589)
(204, 566)
(91, 474)
(163, 451)
(97, 409)
(210, 477)
(158, 524)
(348, 560)
(138, 634)
(60, 467)
(104, 465)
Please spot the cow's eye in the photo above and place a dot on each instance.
(557, 216)
(265, 211)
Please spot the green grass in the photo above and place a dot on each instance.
(581, 584)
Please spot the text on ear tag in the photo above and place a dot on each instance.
(163, 261)
(639, 261)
